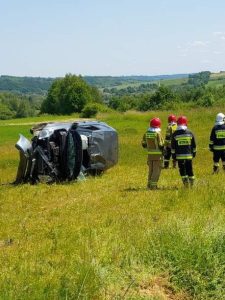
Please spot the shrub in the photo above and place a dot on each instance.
(5, 112)
(206, 101)
(89, 111)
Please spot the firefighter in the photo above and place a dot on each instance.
(172, 126)
(183, 148)
(217, 142)
(153, 141)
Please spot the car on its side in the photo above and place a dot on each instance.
(62, 151)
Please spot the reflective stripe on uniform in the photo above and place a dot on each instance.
(154, 152)
(184, 156)
(220, 134)
(217, 147)
(183, 136)
(150, 135)
(183, 140)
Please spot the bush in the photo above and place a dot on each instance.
(5, 112)
(206, 101)
(89, 111)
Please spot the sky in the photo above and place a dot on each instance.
(50, 38)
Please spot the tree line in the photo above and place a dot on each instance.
(167, 98)
(72, 94)
(194, 92)
(18, 105)
(67, 95)
(41, 85)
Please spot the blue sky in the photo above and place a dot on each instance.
(116, 37)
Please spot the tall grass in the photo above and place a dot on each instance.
(109, 237)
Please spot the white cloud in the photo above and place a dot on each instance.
(218, 33)
(183, 54)
(206, 61)
(204, 51)
(199, 43)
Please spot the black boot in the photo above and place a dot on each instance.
(191, 181)
(152, 186)
(215, 169)
(185, 182)
(166, 164)
(174, 164)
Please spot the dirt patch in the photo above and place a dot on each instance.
(161, 288)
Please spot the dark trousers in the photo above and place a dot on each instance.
(217, 155)
(186, 171)
(167, 157)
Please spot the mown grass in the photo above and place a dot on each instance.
(109, 237)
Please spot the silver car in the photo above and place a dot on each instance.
(63, 151)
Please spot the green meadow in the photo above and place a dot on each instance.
(108, 237)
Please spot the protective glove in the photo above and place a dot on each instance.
(144, 144)
(174, 156)
(194, 154)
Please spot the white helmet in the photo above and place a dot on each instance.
(220, 119)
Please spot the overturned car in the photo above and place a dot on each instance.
(64, 151)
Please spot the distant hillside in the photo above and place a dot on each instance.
(217, 79)
(25, 85)
(39, 85)
(111, 81)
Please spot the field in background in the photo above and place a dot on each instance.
(109, 237)
(216, 80)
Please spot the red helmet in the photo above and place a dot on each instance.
(182, 121)
(172, 118)
(155, 123)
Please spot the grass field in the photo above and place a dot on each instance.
(166, 82)
(109, 237)
(216, 80)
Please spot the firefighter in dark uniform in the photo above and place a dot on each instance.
(171, 127)
(153, 141)
(217, 142)
(183, 148)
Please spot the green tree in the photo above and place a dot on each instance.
(5, 112)
(51, 103)
(68, 95)
(207, 100)
(199, 79)
(23, 110)
(161, 96)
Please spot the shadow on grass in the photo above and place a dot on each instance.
(141, 189)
